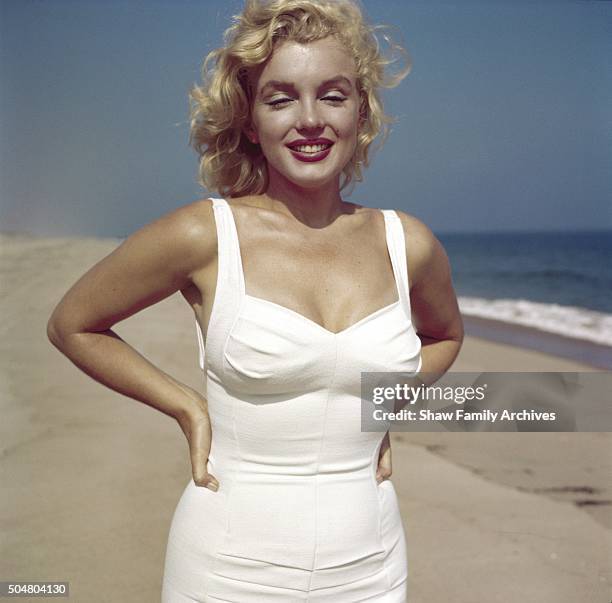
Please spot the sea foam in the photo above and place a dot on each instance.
(570, 321)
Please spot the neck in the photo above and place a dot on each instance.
(314, 207)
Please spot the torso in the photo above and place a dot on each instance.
(333, 275)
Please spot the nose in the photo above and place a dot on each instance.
(309, 116)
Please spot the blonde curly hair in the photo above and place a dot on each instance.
(220, 108)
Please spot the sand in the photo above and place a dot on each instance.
(91, 478)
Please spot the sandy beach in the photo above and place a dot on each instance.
(91, 478)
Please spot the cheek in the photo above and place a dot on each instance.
(348, 129)
(276, 126)
(348, 123)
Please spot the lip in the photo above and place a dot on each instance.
(310, 157)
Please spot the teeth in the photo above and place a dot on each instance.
(311, 148)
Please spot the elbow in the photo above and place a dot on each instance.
(460, 335)
(458, 331)
(455, 332)
(62, 332)
(56, 333)
(53, 333)
(458, 339)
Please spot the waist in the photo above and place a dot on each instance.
(282, 456)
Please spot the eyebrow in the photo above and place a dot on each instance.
(280, 84)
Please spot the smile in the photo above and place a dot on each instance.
(314, 152)
(311, 148)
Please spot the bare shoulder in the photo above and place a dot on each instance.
(425, 253)
(151, 264)
(191, 220)
(187, 232)
(174, 246)
(416, 231)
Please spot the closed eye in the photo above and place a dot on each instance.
(279, 102)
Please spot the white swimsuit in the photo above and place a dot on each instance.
(298, 515)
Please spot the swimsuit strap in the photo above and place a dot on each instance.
(230, 279)
(396, 244)
(230, 262)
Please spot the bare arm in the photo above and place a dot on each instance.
(150, 265)
(436, 315)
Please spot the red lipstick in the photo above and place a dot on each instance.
(310, 156)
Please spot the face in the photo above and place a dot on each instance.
(306, 93)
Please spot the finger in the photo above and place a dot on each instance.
(384, 456)
(385, 443)
(384, 468)
(202, 477)
(384, 463)
(206, 481)
(199, 450)
(381, 478)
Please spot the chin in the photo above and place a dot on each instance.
(306, 176)
(311, 182)
(309, 185)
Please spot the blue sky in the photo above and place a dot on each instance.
(505, 122)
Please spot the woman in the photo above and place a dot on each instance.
(295, 292)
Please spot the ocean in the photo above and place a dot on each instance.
(555, 282)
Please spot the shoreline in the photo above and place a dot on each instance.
(596, 355)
